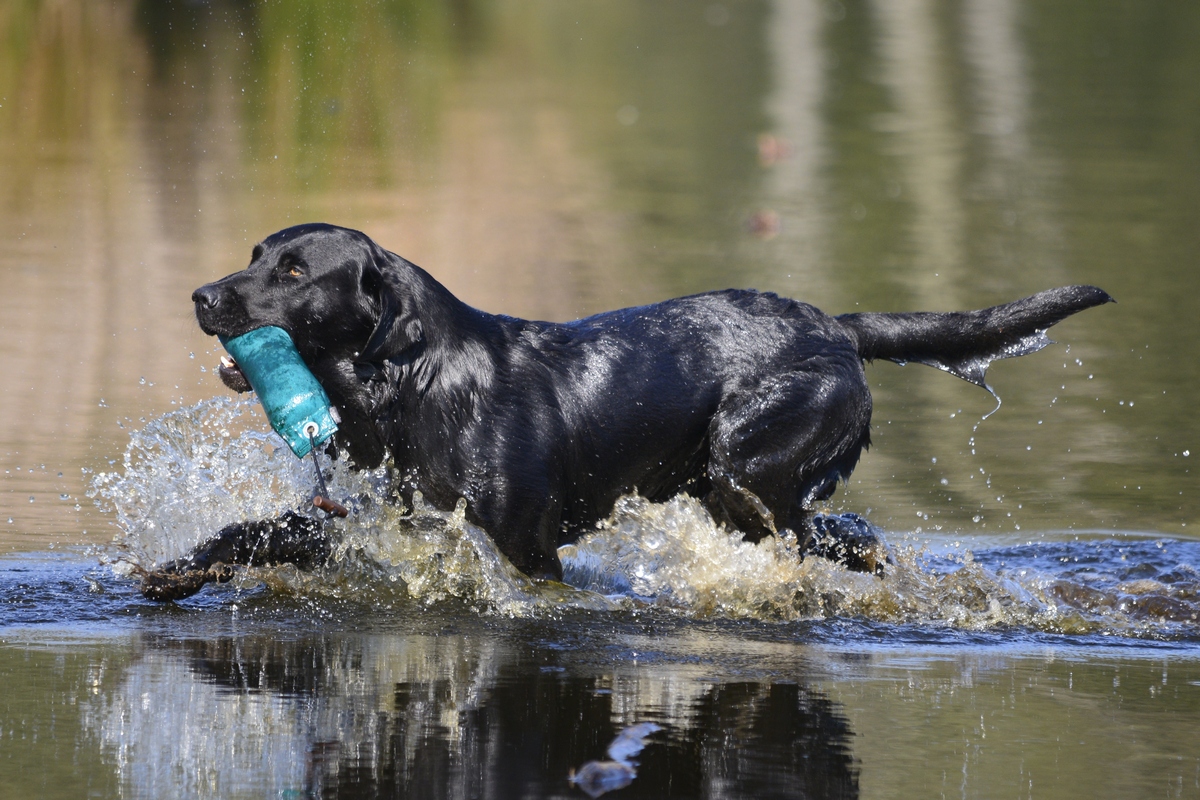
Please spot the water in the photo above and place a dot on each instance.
(251, 691)
(1036, 633)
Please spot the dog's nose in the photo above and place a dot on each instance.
(207, 296)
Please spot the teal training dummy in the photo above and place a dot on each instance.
(296, 404)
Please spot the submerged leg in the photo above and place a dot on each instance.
(288, 539)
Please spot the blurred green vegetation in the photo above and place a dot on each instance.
(323, 95)
(315, 84)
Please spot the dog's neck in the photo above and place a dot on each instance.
(456, 358)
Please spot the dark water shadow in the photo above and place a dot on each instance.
(463, 715)
(252, 692)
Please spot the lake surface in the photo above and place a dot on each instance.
(1037, 633)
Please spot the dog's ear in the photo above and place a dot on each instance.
(398, 328)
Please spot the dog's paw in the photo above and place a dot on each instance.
(169, 584)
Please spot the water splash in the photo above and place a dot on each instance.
(190, 472)
(674, 556)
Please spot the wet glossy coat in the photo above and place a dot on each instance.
(754, 402)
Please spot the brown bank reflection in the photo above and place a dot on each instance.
(451, 716)
(144, 148)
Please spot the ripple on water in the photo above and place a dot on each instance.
(190, 472)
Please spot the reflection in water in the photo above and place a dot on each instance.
(259, 694)
(452, 715)
(250, 693)
(796, 150)
(600, 777)
(1014, 180)
(928, 146)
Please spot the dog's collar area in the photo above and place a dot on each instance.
(372, 350)
(368, 373)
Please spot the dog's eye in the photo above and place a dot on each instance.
(291, 266)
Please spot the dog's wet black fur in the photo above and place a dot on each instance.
(755, 403)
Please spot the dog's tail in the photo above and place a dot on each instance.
(964, 343)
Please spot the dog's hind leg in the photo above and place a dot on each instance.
(288, 539)
(779, 448)
(847, 539)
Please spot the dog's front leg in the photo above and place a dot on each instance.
(288, 539)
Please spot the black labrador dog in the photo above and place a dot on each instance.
(755, 403)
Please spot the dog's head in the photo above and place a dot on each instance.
(339, 295)
(347, 303)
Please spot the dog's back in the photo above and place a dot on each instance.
(759, 403)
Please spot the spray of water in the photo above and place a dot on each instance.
(194, 470)
(191, 472)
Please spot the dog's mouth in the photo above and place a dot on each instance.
(224, 325)
(202, 321)
(232, 376)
